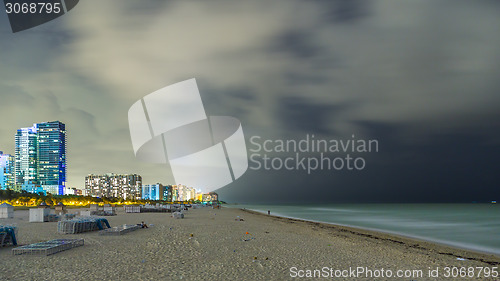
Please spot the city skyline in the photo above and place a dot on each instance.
(35, 158)
(39, 160)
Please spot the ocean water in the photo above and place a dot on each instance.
(468, 226)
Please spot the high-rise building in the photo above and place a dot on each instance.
(191, 194)
(7, 180)
(51, 155)
(25, 157)
(210, 197)
(72, 191)
(174, 193)
(199, 196)
(183, 193)
(153, 191)
(167, 193)
(112, 185)
(40, 158)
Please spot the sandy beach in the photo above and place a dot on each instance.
(219, 249)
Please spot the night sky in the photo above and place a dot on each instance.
(421, 77)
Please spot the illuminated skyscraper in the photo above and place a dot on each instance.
(210, 197)
(174, 193)
(167, 193)
(185, 193)
(7, 171)
(113, 185)
(51, 155)
(41, 157)
(153, 191)
(25, 157)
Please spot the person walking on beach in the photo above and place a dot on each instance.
(268, 212)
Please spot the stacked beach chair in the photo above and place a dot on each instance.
(48, 247)
(96, 210)
(132, 209)
(119, 230)
(154, 209)
(7, 236)
(82, 224)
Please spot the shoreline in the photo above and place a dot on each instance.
(396, 238)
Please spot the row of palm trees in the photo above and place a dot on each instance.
(24, 198)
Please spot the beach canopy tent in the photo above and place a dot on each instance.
(7, 236)
(6, 211)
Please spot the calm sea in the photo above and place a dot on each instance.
(468, 226)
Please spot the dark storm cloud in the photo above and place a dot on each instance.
(297, 43)
(299, 115)
(227, 101)
(454, 167)
(341, 11)
(443, 148)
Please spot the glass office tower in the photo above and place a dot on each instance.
(51, 154)
(25, 157)
(7, 180)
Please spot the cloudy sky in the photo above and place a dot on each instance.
(421, 77)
